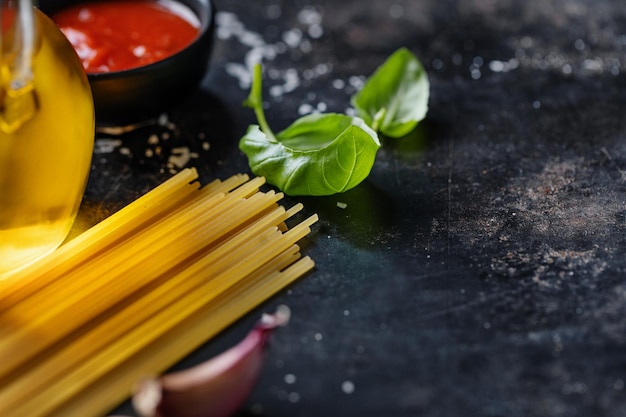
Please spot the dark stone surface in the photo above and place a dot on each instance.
(479, 271)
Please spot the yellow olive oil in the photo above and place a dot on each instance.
(46, 145)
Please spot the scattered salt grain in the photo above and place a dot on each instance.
(437, 64)
(290, 83)
(292, 37)
(347, 387)
(305, 108)
(339, 84)
(322, 69)
(240, 72)
(579, 44)
(350, 111)
(305, 46)
(341, 205)
(504, 66)
(356, 82)
(396, 11)
(315, 31)
(309, 16)
(106, 145)
(273, 11)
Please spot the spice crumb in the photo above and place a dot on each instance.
(153, 139)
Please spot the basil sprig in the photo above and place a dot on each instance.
(325, 154)
(319, 154)
(395, 98)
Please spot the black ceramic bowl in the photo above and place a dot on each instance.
(128, 96)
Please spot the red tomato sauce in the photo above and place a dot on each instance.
(122, 34)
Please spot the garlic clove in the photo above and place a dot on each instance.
(215, 388)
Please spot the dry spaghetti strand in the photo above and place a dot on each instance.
(154, 203)
(137, 292)
(160, 247)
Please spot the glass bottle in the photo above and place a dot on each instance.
(46, 135)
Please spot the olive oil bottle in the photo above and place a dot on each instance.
(46, 135)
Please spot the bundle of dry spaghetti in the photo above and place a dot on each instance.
(135, 293)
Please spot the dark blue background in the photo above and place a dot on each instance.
(479, 271)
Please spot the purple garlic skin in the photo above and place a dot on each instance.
(215, 388)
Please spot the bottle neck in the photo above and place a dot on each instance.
(25, 42)
(18, 101)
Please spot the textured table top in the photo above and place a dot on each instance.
(479, 271)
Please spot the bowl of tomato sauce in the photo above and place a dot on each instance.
(141, 57)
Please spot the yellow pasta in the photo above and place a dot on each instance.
(135, 293)
(142, 210)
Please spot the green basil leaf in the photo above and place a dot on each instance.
(319, 154)
(395, 98)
